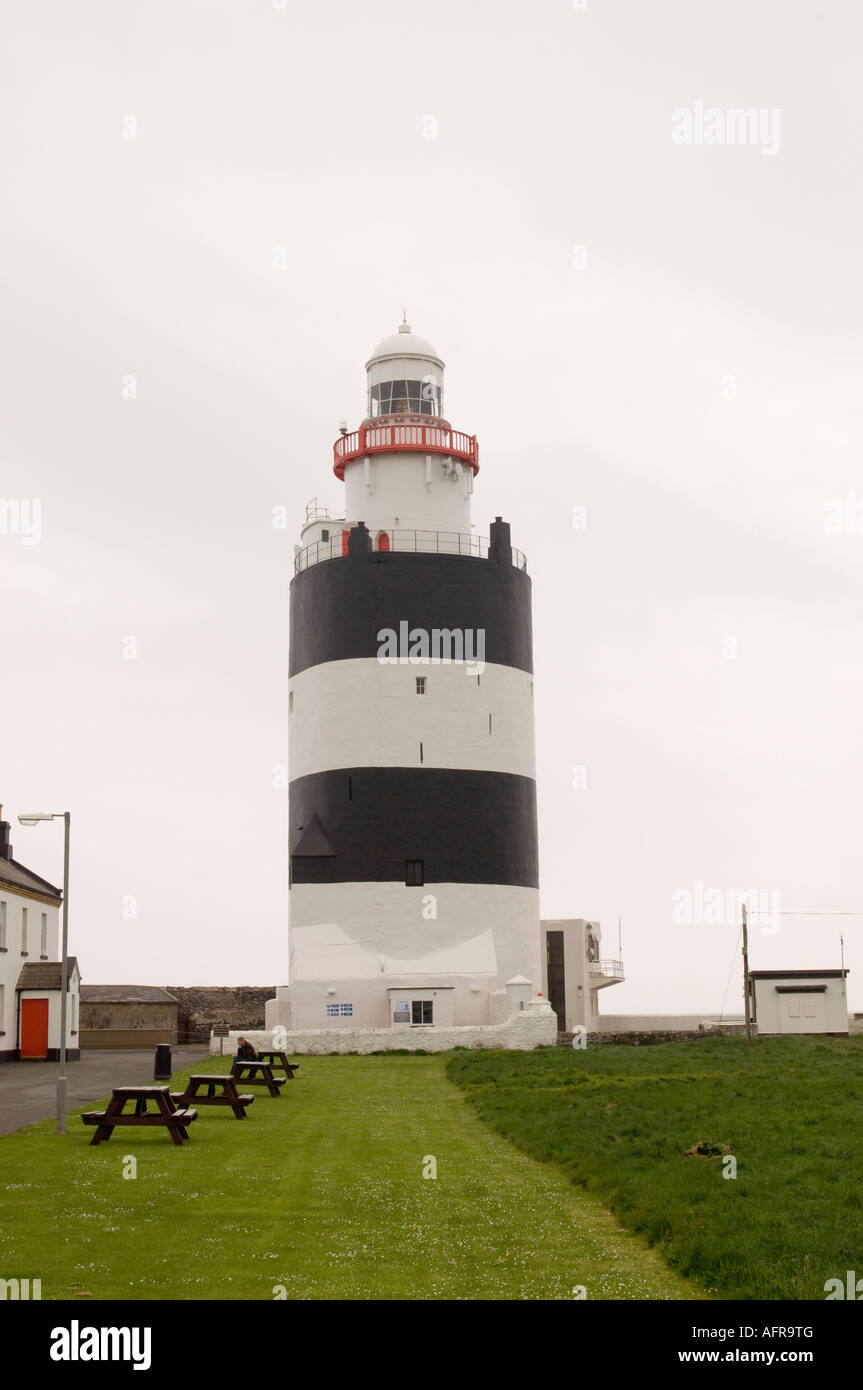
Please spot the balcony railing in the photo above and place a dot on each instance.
(416, 542)
(611, 969)
(426, 439)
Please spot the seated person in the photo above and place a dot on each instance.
(245, 1053)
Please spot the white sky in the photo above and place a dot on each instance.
(695, 386)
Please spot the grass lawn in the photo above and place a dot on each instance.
(321, 1192)
(619, 1120)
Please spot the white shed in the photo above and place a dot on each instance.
(799, 1001)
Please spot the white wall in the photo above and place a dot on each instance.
(311, 533)
(815, 1012)
(362, 932)
(11, 959)
(535, 1026)
(362, 713)
(398, 496)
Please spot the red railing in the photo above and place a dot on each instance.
(428, 439)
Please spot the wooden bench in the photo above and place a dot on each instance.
(228, 1096)
(247, 1073)
(166, 1113)
(280, 1060)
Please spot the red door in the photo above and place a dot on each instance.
(34, 1027)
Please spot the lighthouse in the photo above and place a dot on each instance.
(414, 891)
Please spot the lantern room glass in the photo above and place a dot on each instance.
(405, 397)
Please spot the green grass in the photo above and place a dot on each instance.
(320, 1192)
(619, 1119)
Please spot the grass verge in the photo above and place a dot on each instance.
(619, 1121)
(317, 1195)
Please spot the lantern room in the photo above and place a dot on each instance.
(405, 377)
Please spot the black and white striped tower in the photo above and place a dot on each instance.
(413, 836)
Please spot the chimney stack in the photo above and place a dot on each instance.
(5, 847)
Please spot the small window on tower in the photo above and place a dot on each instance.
(414, 875)
(290, 702)
(325, 535)
(421, 685)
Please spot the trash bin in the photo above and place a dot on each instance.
(162, 1064)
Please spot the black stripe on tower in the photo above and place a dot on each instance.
(365, 822)
(339, 606)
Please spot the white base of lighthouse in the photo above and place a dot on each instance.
(355, 947)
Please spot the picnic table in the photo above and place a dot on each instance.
(258, 1074)
(226, 1084)
(166, 1113)
(279, 1060)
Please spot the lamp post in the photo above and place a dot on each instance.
(33, 819)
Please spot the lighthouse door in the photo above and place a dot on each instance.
(556, 991)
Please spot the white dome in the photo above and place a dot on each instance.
(404, 343)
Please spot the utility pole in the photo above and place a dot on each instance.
(746, 1000)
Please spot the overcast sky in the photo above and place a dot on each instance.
(231, 203)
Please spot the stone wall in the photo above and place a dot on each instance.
(662, 1023)
(535, 1026)
(240, 1006)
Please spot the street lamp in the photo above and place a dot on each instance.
(33, 818)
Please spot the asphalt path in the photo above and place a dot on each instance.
(28, 1090)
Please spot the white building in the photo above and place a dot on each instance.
(414, 891)
(574, 970)
(799, 1001)
(30, 964)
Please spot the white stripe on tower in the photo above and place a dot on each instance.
(361, 713)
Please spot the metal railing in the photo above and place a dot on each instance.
(611, 969)
(415, 542)
(429, 439)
